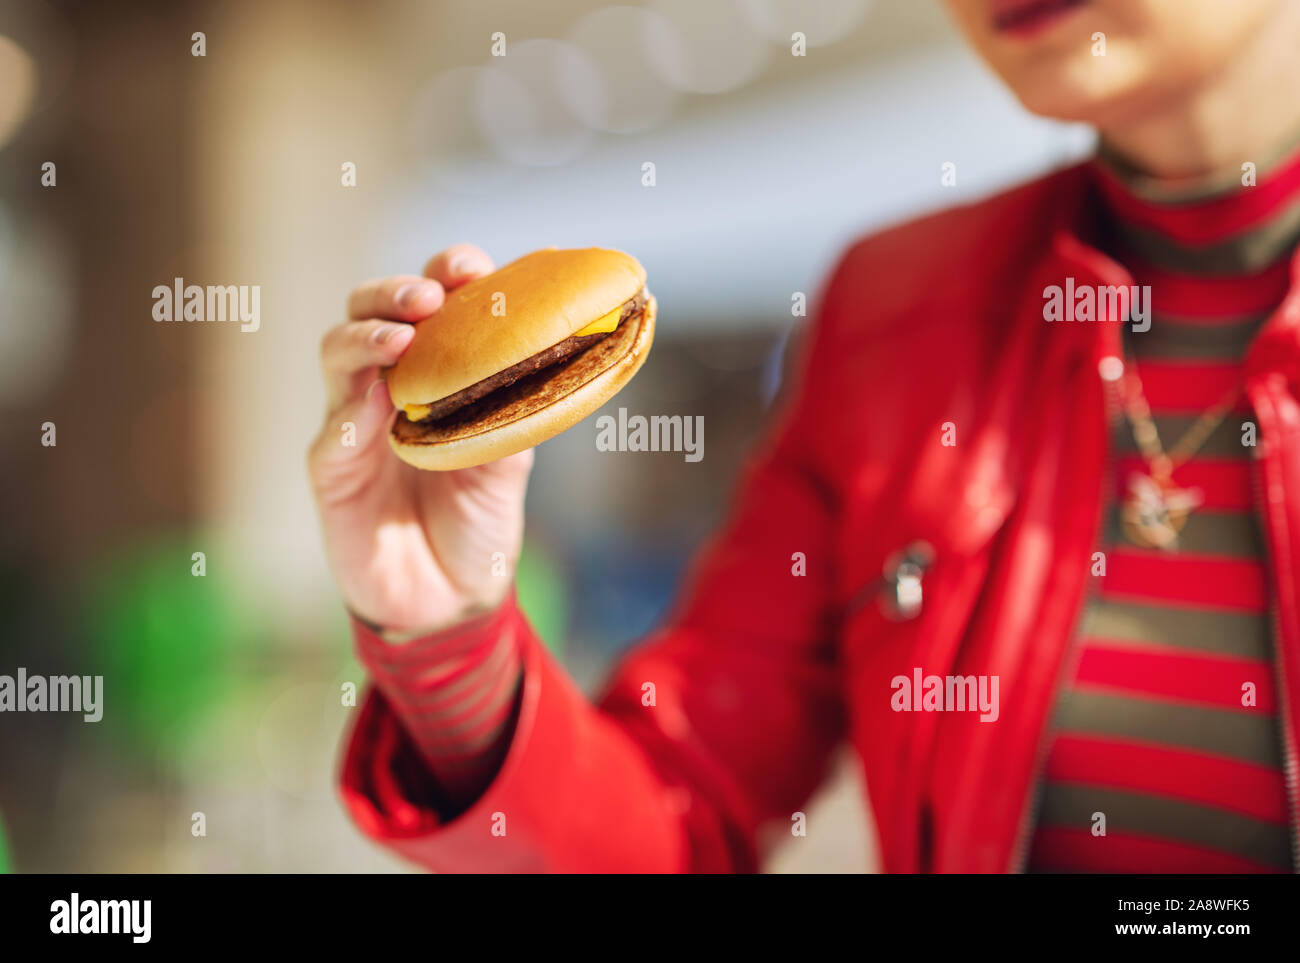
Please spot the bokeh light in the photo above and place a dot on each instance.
(35, 325)
(823, 22)
(705, 48)
(520, 109)
(289, 743)
(626, 96)
(446, 140)
(17, 87)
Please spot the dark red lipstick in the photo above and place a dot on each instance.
(1027, 18)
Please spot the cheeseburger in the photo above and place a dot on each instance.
(519, 355)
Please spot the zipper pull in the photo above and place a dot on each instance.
(901, 595)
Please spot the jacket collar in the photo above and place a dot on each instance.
(1075, 253)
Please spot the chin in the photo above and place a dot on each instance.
(1074, 104)
(1087, 91)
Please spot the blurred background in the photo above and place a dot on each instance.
(222, 692)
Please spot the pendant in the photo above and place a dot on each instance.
(1153, 513)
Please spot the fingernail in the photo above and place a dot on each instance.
(371, 390)
(387, 332)
(409, 295)
(460, 265)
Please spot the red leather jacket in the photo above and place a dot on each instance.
(761, 673)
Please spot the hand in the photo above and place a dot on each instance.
(411, 550)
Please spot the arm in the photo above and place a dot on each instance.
(745, 711)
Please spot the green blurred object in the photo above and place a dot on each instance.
(543, 596)
(167, 641)
(163, 637)
(6, 864)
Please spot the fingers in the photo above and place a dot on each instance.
(402, 298)
(340, 459)
(458, 264)
(410, 298)
(382, 310)
(352, 351)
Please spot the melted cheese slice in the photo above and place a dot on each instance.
(606, 322)
(602, 325)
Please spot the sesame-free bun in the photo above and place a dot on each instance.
(536, 407)
(509, 315)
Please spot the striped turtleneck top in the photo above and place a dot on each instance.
(1165, 752)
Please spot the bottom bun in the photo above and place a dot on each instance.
(531, 410)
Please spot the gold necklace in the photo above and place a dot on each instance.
(1155, 509)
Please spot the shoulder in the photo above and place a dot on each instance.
(961, 254)
(915, 316)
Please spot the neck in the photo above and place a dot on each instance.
(1244, 113)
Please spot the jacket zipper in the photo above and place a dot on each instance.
(1289, 769)
(1291, 772)
(1020, 853)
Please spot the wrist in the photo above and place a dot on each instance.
(472, 616)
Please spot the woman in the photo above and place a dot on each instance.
(1049, 526)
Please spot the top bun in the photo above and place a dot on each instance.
(544, 297)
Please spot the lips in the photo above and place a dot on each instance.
(1029, 16)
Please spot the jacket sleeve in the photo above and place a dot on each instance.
(717, 726)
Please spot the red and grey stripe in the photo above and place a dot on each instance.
(1168, 727)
